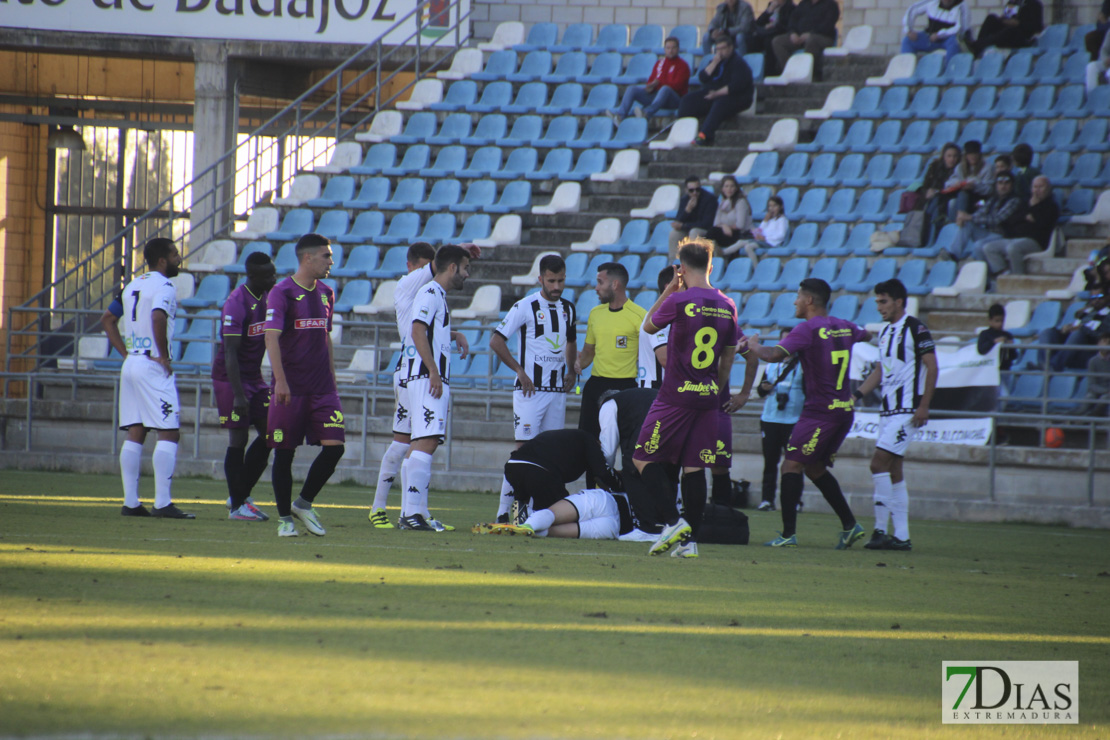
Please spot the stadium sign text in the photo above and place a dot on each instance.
(1010, 692)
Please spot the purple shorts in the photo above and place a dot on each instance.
(258, 396)
(815, 440)
(693, 438)
(305, 420)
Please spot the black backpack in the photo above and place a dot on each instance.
(723, 525)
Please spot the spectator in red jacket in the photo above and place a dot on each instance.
(669, 81)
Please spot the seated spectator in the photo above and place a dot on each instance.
(812, 27)
(970, 177)
(727, 89)
(1001, 216)
(1098, 380)
(946, 21)
(1023, 169)
(932, 198)
(697, 209)
(1098, 274)
(1103, 59)
(669, 81)
(994, 334)
(1093, 40)
(733, 20)
(771, 232)
(1090, 323)
(734, 215)
(772, 22)
(1020, 21)
(967, 201)
(1008, 255)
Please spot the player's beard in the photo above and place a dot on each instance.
(172, 270)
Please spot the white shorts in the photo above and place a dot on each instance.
(402, 420)
(895, 433)
(428, 415)
(598, 517)
(540, 412)
(147, 396)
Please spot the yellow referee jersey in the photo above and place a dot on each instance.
(616, 339)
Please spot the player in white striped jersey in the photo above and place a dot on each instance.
(907, 377)
(544, 323)
(428, 377)
(148, 396)
(653, 347)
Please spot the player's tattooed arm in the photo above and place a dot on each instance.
(767, 354)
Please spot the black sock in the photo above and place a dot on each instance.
(322, 468)
(722, 489)
(282, 475)
(662, 490)
(791, 494)
(254, 463)
(830, 489)
(233, 473)
(693, 497)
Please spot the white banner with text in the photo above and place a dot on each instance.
(975, 432)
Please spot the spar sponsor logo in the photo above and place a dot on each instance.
(310, 324)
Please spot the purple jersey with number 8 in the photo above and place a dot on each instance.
(703, 323)
(825, 345)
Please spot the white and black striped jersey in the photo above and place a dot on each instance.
(430, 309)
(144, 295)
(650, 370)
(404, 295)
(901, 347)
(544, 328)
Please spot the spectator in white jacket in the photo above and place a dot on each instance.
(946, 22)
(771, 232)
(733, 221)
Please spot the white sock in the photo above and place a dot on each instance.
(130, 459)
(505, 502)
(387, 472)
(882, 500)
(541, 520)
(165, 459)
(420, 478)
(405, 495)
(900, 510)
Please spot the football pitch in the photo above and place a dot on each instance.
(115, 627)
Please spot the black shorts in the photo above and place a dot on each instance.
(536, 483)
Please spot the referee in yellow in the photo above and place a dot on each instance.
(612, 343)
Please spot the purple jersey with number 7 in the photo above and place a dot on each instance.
(703, 324)
(825, 345)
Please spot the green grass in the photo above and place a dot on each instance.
(143, 627)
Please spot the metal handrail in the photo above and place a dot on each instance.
(303, 123)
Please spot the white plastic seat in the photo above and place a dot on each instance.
(625, 166)
(606, 231)
(424, 93)
(364, 361)
(1077, 284)
(972, 279)
(665, 198)
(88, 350)
(184, 285)
(856, 41)
(900, 65)
(262, 221)
(682, 134)
(336, 329)
(1100, 214)
(347, 154)
(485, 304)
(507, 35)
(840, 98)
(385, 125)
(213, 256)
(506, 233)
(382, 302)
(742, 169)
(533, 274)
(566, 199)
(303, 189)
(782, 137)
(465, 63)
(1017, 314)
(798, 70)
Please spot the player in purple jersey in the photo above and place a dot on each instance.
(242, 396)
(825, 346)
(684, 425)
(304, 402)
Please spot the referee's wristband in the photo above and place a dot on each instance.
(857, 395)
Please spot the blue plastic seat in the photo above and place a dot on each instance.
(953, 103)
(646, 38)
(765, 276)
(755, 308)
(821, 168)
(455, 127)
(850, 168)
(367, 227)
(647, 275)
(564, 100)
(602, 98)
(638, 70)
(864, 104)
(868, 314)
(845, 307)
(956, 72)
(1038, 103)
(610, 38)
(789, 198)
(212, 291)
(197, 357)
(1080, 201)
(794, 166)
(1052, 37)
(477, 226)
(438, 229)
(362, 259)
(540, 36)
(485, 162)
(1001, 138)
(878, 169)
(570, 67)
(459, 95)
(409, 192)
(450, 161)
(576, 265)
(852, 270)
(1098, 102)
(519, 164)
(1055, 167)
(782, 314)
(1062, 135)
(824, 269)
(596, 133)
(1045, 316)
(517, 196)
(912, 274)
(943, 132)
(1071, 102)
(1008, 103)
(1078, 36)
(882, 270)
(529, 97)
(491, 127)
(886, 135)
(560, 132)
(586, 302)
(239, 267)
(333, 224)
(296, 223)
(976, 130)
(403, 228)
(757, 199)
(803, 237)
(829, 134)
(811, 204)
(590, 162)
(1074, 70)
(535, 65)
(645, 299)
(941, 275)
(606, 68)
(577, 36)
(765, 165)
(377, 158)
(496, 97)
(338, 189)
(355, 293)
(988, 67)
(1033, 133)
(1045, 71)
(756, 64)
(416, 158)
(1017, 67)
(633, 234)
(738, 272)
(444, 194)
(858, 242)
(580, 277)
(929, 67)
(831, 241)
(203, 326)
(907, 170)
(840, 207)
(480, 194)
(894, 103)
(1100, 180)
(526, 129)
(793, 272)
(373, 191)
(557, 163)
(858, 133)
(688, 41)
(1092, 137)
(418, 128)
(631, 133)
(498, 67)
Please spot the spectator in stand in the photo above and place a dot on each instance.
(697, 209)
(932, 198)
(1094, 39)
(994, 334)
(733, 20)
(970, 177)
(1008, 255)
(1024, 171)
(771, 232)
(967, 201)
(1098, 380)
(1020, 21)
(1091, 322)
(727, 89)
(946, 21)
(669, 81)
(1098, 274)
(772, 22)
(734, 215)
(1003, 215)
(812, 27)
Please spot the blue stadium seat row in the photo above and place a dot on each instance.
(1022, 67)
(452, 161)
(527, 130)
